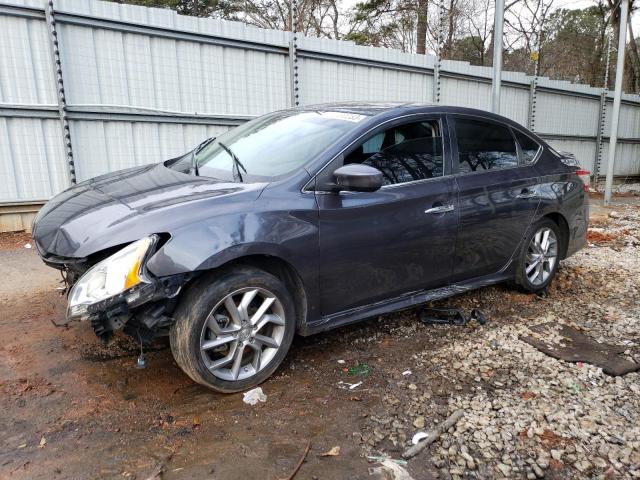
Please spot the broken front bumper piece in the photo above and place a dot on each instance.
(143, 312)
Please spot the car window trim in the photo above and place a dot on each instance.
(452, 127)
(538, 154)
(439, 116)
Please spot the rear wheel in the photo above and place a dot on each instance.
(540, 256)
(233, 329)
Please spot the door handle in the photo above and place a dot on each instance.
(526, 193)
(440, 209)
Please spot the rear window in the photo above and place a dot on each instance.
(484, 146)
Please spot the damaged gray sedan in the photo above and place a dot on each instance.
(307, 219)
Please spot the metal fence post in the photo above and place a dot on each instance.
(437, 63)
(62, 100)
(497, 57)
(531, 120)
(293, 56)
(602, 117)
(617, 97)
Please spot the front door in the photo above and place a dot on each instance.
(497, 196)
(379, 245)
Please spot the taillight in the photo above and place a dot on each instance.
(585, 176)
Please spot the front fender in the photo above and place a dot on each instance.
(291, 236)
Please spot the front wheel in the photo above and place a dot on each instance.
(233, 329)
(540, 256)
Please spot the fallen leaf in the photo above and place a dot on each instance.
(196, 422)
(43, 442)
(334, 452)
(527, 395)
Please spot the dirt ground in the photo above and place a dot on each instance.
(72, 408)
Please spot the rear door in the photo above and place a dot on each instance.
(498, 195)
(378, 245)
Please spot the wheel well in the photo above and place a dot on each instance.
(559, 220)
(281, 270)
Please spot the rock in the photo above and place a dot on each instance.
(556, 454)
(600, 462)
(538, 471)
(419, 422)
(582, 465)
(504, 469)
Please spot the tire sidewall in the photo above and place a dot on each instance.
(208, 292)
(522, 279)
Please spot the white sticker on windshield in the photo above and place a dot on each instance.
(347, 117)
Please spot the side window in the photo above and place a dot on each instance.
(404, 153)
(484, 146)
(528, 146)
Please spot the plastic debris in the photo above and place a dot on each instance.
(379, 459)
(28, 245)
(334, 452)
(254, 396)
(361, 369)
(341, 362)
(347, 385)
(407, 372)
(418, 436)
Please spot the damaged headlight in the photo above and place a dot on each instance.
(122, 272)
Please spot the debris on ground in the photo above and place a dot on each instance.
(434, 434)
(450, 316)
(566, 343)
(254, 396)
(300, 462)
(333, 452)
(361, 369)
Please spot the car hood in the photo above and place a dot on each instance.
(121, 207)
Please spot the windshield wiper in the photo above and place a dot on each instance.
(194, 161)
(237, 164)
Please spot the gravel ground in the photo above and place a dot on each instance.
(528, 415)
(72, 408)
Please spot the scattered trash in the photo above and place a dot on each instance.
(254, 396)
(361, 369)
(28, 245)
(450, 316)
(334, 452)
(347, 385)
(22, 446)
(341, 362)
(43, 442)
(196, 422)
(407, 372)
(417, 437)
(434, 434)
(299, 464)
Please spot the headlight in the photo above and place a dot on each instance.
(119, 273)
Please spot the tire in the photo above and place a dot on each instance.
(208, 335)
(537, 266)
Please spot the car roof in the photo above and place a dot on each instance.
(392, 109)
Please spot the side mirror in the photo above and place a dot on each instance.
(356, 177)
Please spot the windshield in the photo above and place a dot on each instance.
(269, 146)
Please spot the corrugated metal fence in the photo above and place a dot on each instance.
(87, 87)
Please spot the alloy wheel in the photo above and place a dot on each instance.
(242, 333)
(542, 255)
